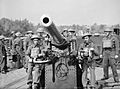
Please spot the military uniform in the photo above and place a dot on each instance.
(87, 55)
(3, 57)
(26, 43)
(32, 53)
(17, 50)
(110, 46)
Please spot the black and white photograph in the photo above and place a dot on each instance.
(59, 44)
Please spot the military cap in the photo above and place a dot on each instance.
(86, 34)
(35, 37)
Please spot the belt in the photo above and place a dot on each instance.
(109, 49)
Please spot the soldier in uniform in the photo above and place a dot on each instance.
(71, 32)
(65, 33)
(73, 40)
(27, 42)
(3, 56)
(43, 35)
(109, 53)
(17, 49)
(87, 51)
(34, 51)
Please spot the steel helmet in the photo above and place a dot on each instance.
(86, 34)
(71, 30)
(35, 37)
(108, 30)
(18, 34)
(65, 30)
(31, 32)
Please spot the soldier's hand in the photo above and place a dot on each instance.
(101, 56)
(116, 56)
(30, 60)
(41, 54)
(92, 49)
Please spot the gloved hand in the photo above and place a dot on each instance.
(101, 56)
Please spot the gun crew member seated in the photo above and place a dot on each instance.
(33, 53)
(109, 53)
(87, 52)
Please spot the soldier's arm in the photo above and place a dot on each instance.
(3, 50)
(101, 48)
(94, 46)
(13, 45)
(117, 46)
(25, 44)
(80, 48)
(28, 52)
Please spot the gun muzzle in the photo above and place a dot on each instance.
(52, 30)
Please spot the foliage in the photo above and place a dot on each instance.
(7, 26)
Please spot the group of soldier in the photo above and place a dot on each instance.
(34, 46)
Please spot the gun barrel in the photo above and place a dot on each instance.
(53, 31)
(51, 28)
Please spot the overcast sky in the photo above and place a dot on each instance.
(63, 11)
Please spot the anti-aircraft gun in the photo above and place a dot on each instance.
(59, 74)
(60, 42)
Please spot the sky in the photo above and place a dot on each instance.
(68, 12)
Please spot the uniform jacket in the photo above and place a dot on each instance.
(90, 44)
(2, 51)
(27, 42)
(113, 51)
(17, 46)
(33, 51)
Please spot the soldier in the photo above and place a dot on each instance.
(40, 32)
(65, 33)
(17, 49)
(87, 51)
(13, 57)
(27, 42)
(71, 33)
(109, 53)
(34, 51)
(73, 40)
(43, 35)
(3, 56)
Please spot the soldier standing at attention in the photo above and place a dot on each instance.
(109, 53)
(87, 51)
(27, 42)
(34, 51)
(17, 49)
